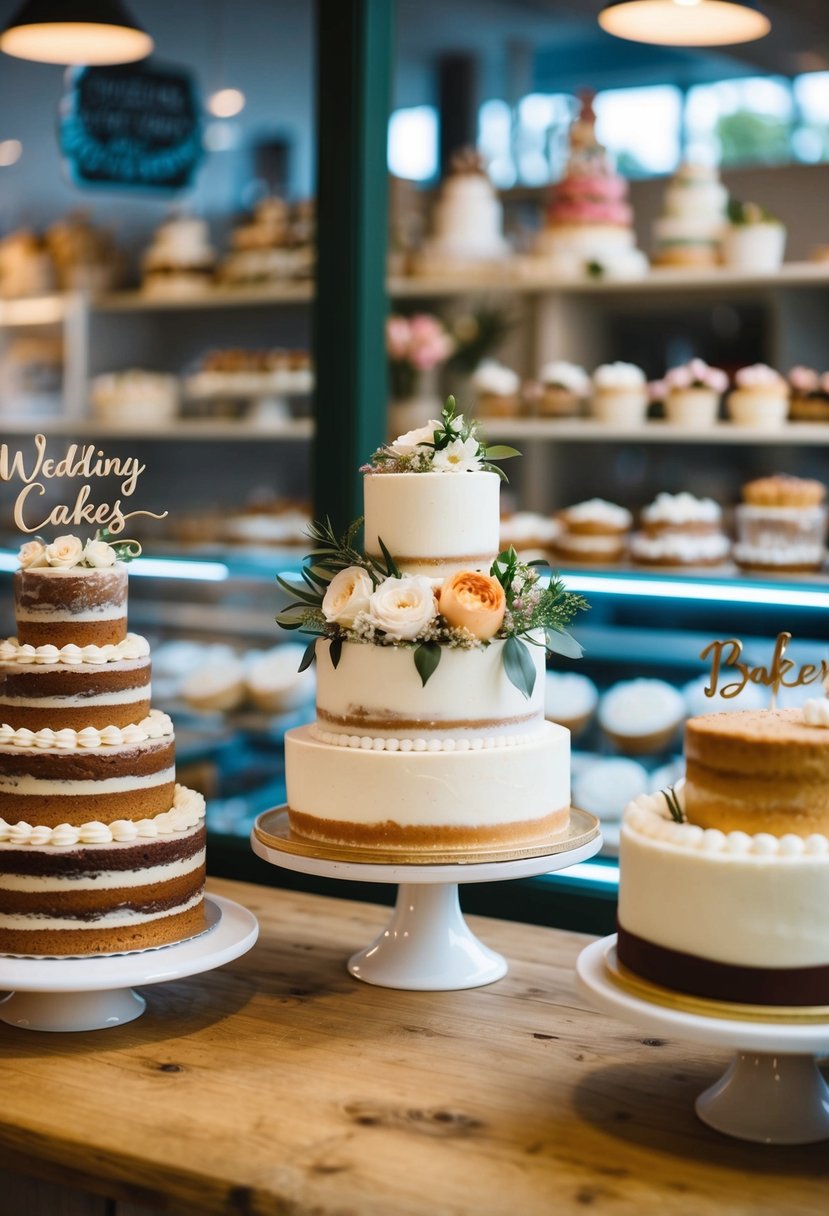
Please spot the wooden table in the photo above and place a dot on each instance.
(279, 1086)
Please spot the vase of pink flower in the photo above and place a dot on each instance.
(691, 394)
(417, 347)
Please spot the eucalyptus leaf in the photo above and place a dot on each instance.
(335, 651)
(500, 451)
(426, 658)
(309, 656)
(519, 666)
(559, 642)
(391, 564)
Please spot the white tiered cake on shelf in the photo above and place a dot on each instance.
(467, 224)
(100, 850)
(690, 230)
(427, 737)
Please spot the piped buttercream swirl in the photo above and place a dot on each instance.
(186, 812)
(156, 725)
(816, 712)
(132, 647)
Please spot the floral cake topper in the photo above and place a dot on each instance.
(451, 445)
(70, 552)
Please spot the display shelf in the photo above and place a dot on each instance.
(587, 430)
(178, 429)
(38, 310)
(289, 292)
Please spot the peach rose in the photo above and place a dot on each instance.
(32, 554)
(473, 601)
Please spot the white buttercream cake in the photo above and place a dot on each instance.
(100, 849)
(462, 757)
(727, 895)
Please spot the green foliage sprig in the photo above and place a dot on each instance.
(676, 811)
(452, 427)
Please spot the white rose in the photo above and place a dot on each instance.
(348, 594)
(33, 553)
(406, 445)
(459, 456)
(98, 553)
(65, 552)
(403, 607)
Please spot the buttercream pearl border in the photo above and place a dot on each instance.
(132, 647)
(371, 743)
(187, 811)
(648, 816)
(155, 726)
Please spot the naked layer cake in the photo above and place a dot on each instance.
(100, 850)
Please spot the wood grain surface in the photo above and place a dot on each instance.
(279, 1086)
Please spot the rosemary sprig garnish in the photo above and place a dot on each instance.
(677, 813)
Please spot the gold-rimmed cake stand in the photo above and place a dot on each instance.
(771, 1093)
(427, 945)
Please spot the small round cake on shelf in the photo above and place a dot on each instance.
(564, 389)
(180, 260)
(497, 389)
(594, 532)
(781, 525)
(530, 533)
(810, 395)
(641, 716)
(690, 230)
(620, 395)
(691, 394)
(724, 884)
(607, 785)
(680, 530)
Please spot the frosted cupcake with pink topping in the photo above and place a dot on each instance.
(691, 394)
(760, 398)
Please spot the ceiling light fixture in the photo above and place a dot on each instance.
(685, 22)
(87, 32)
(226, 103)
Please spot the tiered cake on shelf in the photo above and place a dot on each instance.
(589, 222)
(724, 885)
(430, 730)
(100, 850)
(694, 216)
(467, 225)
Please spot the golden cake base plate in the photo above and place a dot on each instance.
(705, 1007)
(273, 830)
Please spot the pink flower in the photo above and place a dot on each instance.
(697, 374)
(398, 336)
(758, 375)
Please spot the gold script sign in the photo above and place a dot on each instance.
(84, 461)
(780, 673)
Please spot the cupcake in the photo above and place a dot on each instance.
(215, 687)
(569, 700)
(641, 716)
(594, 531)
(691, 394)
(751, 696)
(760, 398)
(531, 534)
(275, 684)
(810, 395)
(605, 788)
(498, 390)
(564, 386)
(781, 525)
(620, 394)
(680, 530)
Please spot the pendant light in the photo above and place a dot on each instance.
(88, 32)
(685, 22)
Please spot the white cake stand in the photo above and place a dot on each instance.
(771, 1093)
(427, 945)
(96, 992)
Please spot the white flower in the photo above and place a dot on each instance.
(348, 594)
(406, 445)
(32, 554)
(99, 553)
(403, 607)
(459, 456)
(65, 552)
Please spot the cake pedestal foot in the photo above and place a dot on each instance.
(770, 1099)
(70, 1011)
(771, 1093)
(427, 946)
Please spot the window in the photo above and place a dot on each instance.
(641, 128)
(741, 122)
(810, 142)
(413, 143)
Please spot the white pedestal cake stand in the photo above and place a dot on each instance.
(93, 993)
(771, 1093)
(427, 945)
